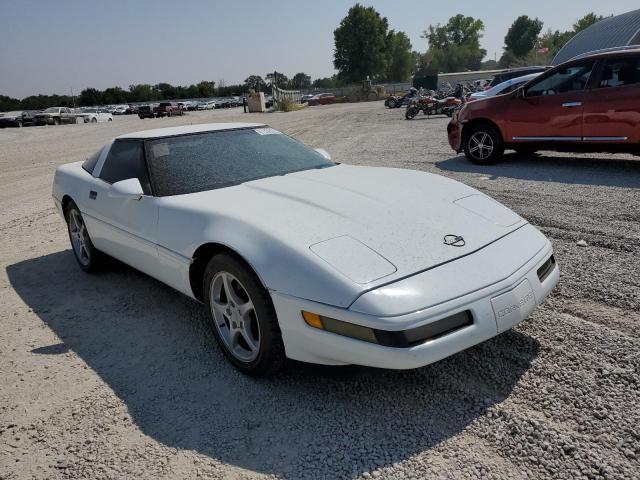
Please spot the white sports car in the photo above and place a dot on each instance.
(296, 256)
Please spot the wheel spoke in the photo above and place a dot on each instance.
(232, 296)
(245, 308)
(248, 337)
(474, 149)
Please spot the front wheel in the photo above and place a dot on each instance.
(83, 250)
(392, 103)
(411, 113)
(483, 145)
(243, 316)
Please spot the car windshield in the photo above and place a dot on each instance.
(51, 110)
(211, 160)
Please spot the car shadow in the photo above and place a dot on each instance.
(597, 171)
(154, 348)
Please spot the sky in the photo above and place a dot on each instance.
(59, 46)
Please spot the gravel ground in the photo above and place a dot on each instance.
(117, 376)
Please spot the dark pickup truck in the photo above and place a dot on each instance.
(146, 111)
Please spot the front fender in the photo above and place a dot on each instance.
(282, 266)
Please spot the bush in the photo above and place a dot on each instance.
(290, 106)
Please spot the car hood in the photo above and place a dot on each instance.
(372, 225)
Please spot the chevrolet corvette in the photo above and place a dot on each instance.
(295, 256)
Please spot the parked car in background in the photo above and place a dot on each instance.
(590, 103)
(168, 109)
(306, 98)
(207, 105)
(505, 75)
(502, 88)
(55, 116)
(95, 115)
(19, 118)
(146, 111)
(322, 99)
(133, 109)
(268, 101)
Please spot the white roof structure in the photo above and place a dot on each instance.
(187, 129)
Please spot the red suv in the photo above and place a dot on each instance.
(590, 103)
(167, 109)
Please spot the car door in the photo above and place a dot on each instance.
(124, 228)
(612, 106)
(551, 108)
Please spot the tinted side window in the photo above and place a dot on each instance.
(569, 79)
(619, 72)
(126, 160)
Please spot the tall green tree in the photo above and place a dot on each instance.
(522, 35)
(256, 83)
(301, 81)
(280, 79)
(454, 46)
(361, 47)
(402, 60)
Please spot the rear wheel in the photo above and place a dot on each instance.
(483, 145)
(245, 323)
(85, 253)
(94, 120)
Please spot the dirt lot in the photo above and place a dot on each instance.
(117, 376)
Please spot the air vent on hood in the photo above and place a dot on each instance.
(353, 259)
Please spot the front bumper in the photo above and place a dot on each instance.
(454, 131)
(495, 308)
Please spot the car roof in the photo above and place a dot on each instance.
(608, 52)
(188, 129)
(522, 69)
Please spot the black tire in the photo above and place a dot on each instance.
(411, 112)
(94, 258)
(110, 120)
(483, 144)
(270, 351)
(94, 120)
(392, 103)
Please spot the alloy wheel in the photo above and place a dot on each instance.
(79, 237)
(481, 145)
(235, 316)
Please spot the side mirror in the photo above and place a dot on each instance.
(129, 188)
(324, 153)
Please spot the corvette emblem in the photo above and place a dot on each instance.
(454, 241)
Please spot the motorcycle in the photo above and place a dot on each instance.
(397, 101)
(432, 105)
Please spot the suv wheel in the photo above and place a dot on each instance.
(483, 145)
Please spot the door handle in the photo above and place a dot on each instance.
(93, 194)
(572, 104)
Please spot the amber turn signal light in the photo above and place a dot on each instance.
(313, 320)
